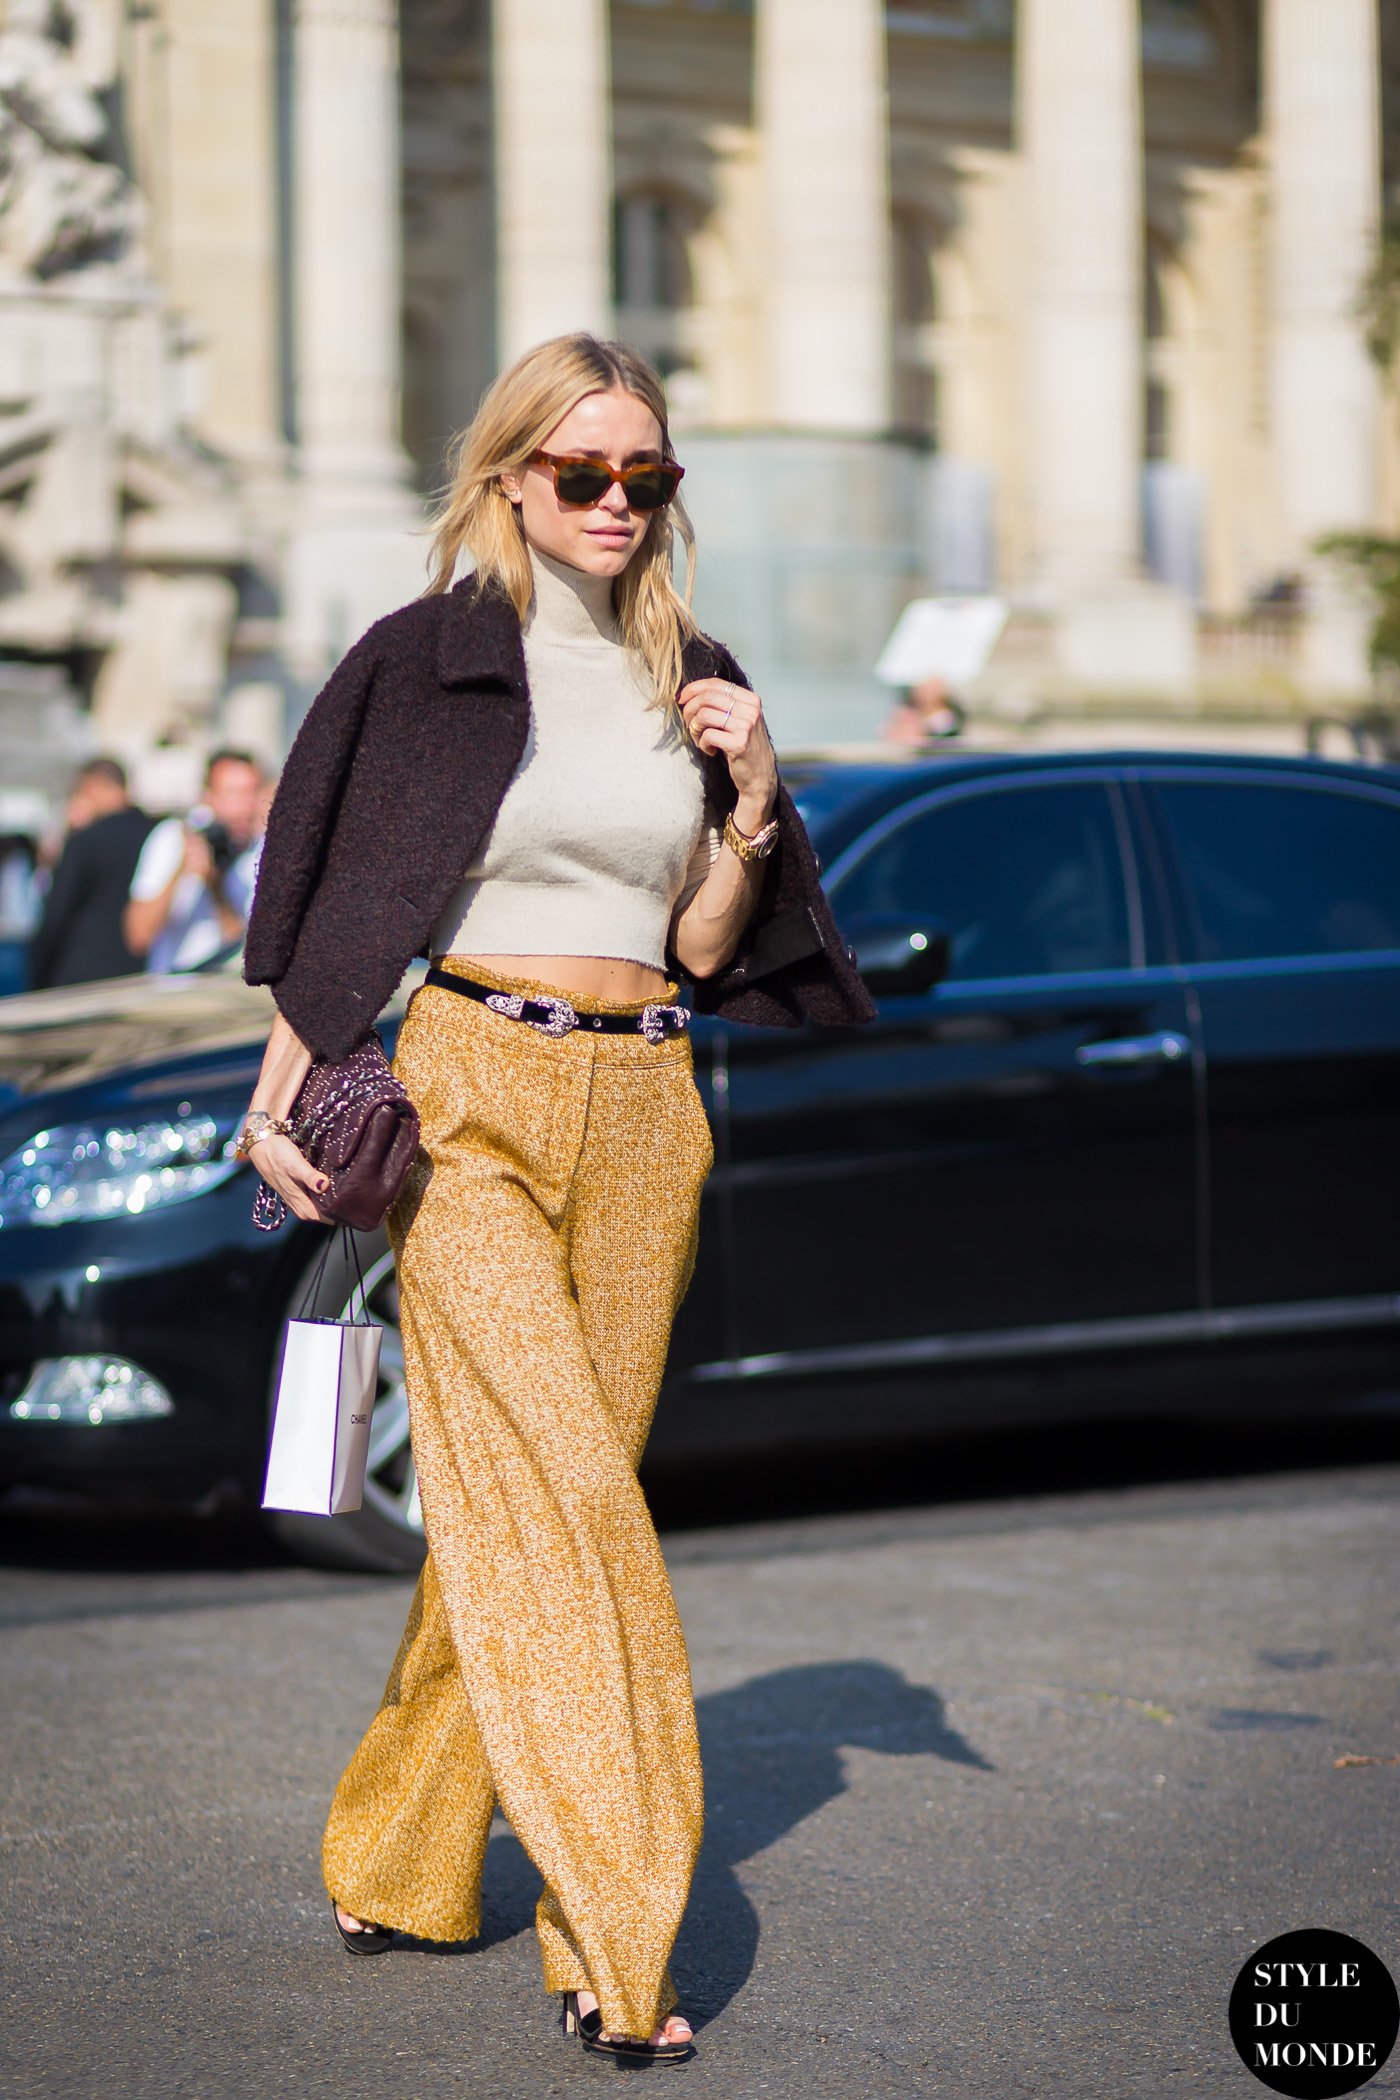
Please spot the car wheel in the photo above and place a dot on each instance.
(385, 1535)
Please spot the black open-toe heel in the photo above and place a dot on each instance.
(629, 2049)
(370, 1939)
(585, 2025)
(625, 2049)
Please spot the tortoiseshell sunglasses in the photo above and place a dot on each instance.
(649, 485)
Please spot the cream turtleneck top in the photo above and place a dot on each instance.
(602, 832)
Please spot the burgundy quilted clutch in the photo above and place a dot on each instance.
(354, 1123)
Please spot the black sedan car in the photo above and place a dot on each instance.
(1124, 1138)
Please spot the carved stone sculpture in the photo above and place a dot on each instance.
(63, 201)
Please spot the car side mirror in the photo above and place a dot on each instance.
(899, 954)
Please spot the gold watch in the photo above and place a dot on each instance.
(749, 849)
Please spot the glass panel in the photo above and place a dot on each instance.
(1285, 870)
(1027, 881)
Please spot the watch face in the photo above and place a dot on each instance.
(756, 848)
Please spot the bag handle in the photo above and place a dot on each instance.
(313, 1289)
(353, 1244)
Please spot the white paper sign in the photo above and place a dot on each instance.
(320, 1424)
(947, 638)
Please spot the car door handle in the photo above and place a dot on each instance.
(1163, 1048)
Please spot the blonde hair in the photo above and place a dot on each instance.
(516, 415)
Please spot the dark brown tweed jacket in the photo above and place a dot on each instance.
(394, 779)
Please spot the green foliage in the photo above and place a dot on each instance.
(1379, 304)
(1375, 559)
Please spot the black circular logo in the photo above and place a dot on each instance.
(1314, 2013)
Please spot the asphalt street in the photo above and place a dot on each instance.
(1002, 1791)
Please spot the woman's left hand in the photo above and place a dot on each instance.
(729, 719)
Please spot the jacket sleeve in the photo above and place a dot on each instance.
(781, 929)
(304, 811)
(791, 963)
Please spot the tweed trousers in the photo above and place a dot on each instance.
(544, 1240)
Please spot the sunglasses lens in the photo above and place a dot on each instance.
(651, 488)
(585, 481)
(581, 482)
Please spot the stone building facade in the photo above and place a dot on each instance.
(1051, 297)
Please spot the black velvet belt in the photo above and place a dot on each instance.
(553, 1015)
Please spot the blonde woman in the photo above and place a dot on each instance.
(545, 778)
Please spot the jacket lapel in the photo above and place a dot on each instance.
(700, 658)
(479, 639)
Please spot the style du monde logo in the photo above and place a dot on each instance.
(1314, 2013)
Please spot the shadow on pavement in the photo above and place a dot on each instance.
(1014, 1463)
(51, 1530)
(772, 1757)
(43, 1529)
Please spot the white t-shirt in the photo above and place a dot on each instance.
(192, 932)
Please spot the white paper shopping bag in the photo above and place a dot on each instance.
(321, 1420)
(320, 1428)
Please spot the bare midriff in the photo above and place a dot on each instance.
(590, 976)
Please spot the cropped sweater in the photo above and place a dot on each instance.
(395, 778)
(602, 833)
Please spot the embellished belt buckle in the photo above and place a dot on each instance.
(654, 1018)
(558, 1021)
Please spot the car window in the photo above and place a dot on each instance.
(1283, 870)
(1027, 881)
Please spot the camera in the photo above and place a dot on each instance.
(222, 850)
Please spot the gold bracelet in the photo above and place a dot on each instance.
(257, 1125)
(750, 849)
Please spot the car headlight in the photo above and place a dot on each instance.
(108, 1170)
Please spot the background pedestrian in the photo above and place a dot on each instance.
(925, 714)
(193, 884)
(80, 935)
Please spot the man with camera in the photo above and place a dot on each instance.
(194, 881)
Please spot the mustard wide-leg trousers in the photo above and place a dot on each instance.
(544, 1240)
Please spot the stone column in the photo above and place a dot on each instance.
(824, 127)
(1080, 116)
(346, 220)
(1322, 111)
(553, 143)
(1079, 110)
(350, 552)
(219, 211)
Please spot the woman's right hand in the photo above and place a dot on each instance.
(286, 1062)
(285, 1169)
